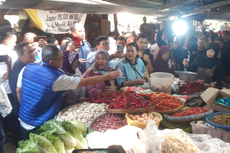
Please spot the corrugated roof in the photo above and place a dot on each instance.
(144, 7)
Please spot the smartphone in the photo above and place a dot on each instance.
(3, 58)
(146, 51)
(95, 150)
(120, 47)
(37, 38)
(76, 39)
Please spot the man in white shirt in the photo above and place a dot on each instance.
(7, 42)
(112, 41)
(41, 85)
(102, 43)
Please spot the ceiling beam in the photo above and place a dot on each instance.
(220, 12)
(206, 7)
(156, 2)
(199, 10)
(176, 3)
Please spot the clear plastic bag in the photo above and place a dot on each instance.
(208, 144)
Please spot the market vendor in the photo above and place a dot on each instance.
(161, 60)
(100, 67)
(40, 89)
(132, 67)
(208, 67)
(70, 67)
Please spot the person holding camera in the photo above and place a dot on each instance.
(144, 53)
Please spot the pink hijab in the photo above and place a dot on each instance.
(159, 64)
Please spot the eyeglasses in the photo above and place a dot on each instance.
(104, 44)
(63, 57)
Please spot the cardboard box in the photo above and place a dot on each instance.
(212, 94)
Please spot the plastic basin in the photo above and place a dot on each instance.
(217, 125)
(161, 82)
(140, 124)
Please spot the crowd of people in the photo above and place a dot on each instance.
(40, 78)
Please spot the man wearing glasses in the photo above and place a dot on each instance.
(102, 43)
(40, 89)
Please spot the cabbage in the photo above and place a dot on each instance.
(42, 143)
(76, 133)
(27, 147)
(82, 127)
(55, 141)
(58, 131)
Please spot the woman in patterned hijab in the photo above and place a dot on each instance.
(70, 67)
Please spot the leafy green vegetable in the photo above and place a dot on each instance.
(76, 133)
(88, 132)
(27, 147)
(58, 131)
(55, 141)
(42, 143)
(81, 126)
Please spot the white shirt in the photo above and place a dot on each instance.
(64, 82)
(5, 50)
(112, 46)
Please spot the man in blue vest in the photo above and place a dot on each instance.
(40, 88)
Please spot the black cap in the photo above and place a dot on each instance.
(219, 38)
(4, 29)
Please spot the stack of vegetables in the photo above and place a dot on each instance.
(55, 137)
(121, 100)
(164, 101)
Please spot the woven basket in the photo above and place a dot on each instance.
(124, 111)
(188, 118)
(170, 111)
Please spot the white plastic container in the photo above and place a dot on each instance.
(161, 82)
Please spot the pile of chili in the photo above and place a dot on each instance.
(164, 101)
(121, 100)
(191, 111)
(221, 119)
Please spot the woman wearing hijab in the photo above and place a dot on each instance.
(208, 67)
(100, 67)
(132, 67)
(161, 60)
(69, 66)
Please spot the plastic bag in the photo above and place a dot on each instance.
(131, 89)
(147, 92)
(125, 136)
(177, 141)
(151, 137)
(208, 144)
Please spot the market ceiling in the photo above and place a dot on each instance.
(162, 9)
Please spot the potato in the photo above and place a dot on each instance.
(144, 115)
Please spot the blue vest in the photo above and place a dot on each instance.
(38, 102)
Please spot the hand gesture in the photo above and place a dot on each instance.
(73, 47)
(146, 58)
(186, 62)
(118, 54)
(113, 75)
(213, 84)
(42, 43)
(140, 81)
(110, 88)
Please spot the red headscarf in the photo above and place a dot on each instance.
(159, 64)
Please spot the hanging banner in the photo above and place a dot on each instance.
(55, 22)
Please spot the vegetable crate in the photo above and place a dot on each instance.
(215, 133)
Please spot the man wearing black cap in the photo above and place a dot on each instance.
(224, 54)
